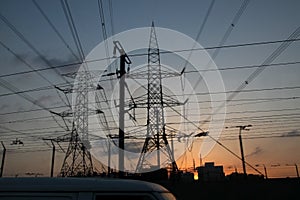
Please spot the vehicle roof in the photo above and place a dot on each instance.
(72, 184)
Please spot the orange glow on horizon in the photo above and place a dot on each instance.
(196, 176)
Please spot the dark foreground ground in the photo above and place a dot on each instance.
(262, 189)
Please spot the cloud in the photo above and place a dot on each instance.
(258, 150)
(38, 62)
(134, 147)
(67, 64)
(46, 100)
(293, 133)
(3, 107)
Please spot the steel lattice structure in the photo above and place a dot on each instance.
(78, 160)
(156, 138)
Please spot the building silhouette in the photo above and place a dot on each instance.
(210, 172)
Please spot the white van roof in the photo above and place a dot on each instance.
(72, 184)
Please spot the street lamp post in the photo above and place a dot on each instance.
(265, 169)
(241, 145)
(296, 167)
(297, 172)
(3, 159)
(266, 174)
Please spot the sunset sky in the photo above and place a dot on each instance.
(239, 36)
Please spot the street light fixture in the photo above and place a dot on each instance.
(205, 133)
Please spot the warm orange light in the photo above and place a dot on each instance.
(195, 176)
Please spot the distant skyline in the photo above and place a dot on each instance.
(35, 35)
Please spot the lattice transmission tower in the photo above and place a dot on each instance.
(78, 160)
(156, 138)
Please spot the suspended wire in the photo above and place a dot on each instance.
(66, 102)
(262, 130)
(15, 131)
(37, 134)
(199, 32)
(31, 130)
(259, 101)
(15, 90)
(104, 34)
(224, 39)
(198, 93)
(258, 130)
(43, 68)
(72, 27)
(35, 119)
(28, 65)
(249, 90)
(226, 148)
(244, 67)
(137, 115)
(22, 37)
(190, 54)
(261, 136)
(271, 61)
(230, 28)
(250, 100)
(111, 14)
(65, 126)
(54, 28)
(28, 91)
(267, 61)
(243, 112)
(218, 47)
(253, 75)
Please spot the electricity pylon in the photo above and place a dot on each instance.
(78, 160)
(156, 138)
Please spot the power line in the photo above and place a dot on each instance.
(72, 27)
(247, 118)
(61, 84)
(104, 34)
(54, 28)
(198, 102)
(250, 90)
(250, 100)
(221, 47)
(111, 14)
(223, 136)
(23, 61)
(206, 93)
(244, 67)
(199, 93)
(13, 89)
(237, 100)
(230, 27)
(22, 37)
(199, 32)
(28, 65)
(169, 123)
(43, 68)
(265, 130)
(267, 61)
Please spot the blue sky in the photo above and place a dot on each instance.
(261, 21)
